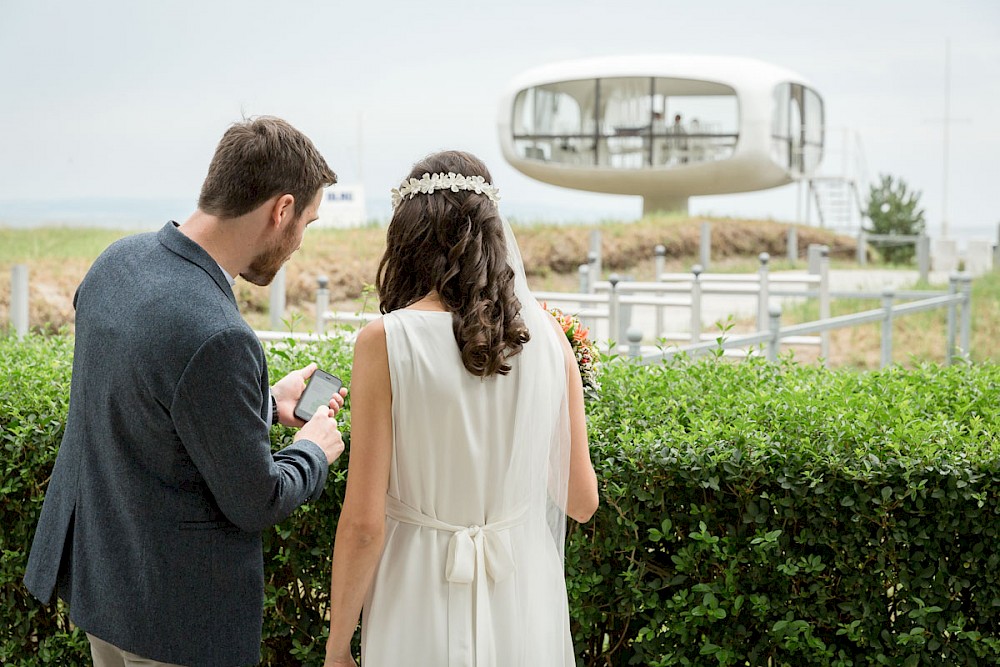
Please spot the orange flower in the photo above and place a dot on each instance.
(583, 349)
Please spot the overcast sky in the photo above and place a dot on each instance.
(121, 98)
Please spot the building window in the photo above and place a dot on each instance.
(626, 122)
(797, 129)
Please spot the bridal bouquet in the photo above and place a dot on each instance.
(584, 349)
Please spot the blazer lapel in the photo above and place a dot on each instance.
(172, 238)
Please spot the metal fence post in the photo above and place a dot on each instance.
(793, 243)
(812, 258)
(996, 251)
(696, 304)
(584, 272)
(322, 304)
(762, 294)
(706, 244)
(19, 299)
(660, 254)
(277, 302)
(824, 299)
(862, 247)
(634, 336)
(952, 316)
(965, 285)
(594, 271)
(624, 309)
(888, 296)
(924, 256)
(596, 265)
(774, 326)
(613, 315)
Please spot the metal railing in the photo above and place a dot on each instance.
(19, 299)
(921, 243)
(957, 300)
(615, 299)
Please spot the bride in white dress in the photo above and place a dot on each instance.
(468, 446)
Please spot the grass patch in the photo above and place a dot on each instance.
(916, 338)
(54, 243)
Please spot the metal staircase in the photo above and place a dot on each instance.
(838, 202)
(837, 191)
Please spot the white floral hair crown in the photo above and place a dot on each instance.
(428, 183)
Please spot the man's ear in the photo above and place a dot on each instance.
(283, 211)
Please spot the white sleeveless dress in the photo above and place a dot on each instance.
(470, 574)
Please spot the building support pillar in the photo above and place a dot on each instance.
(661, 203)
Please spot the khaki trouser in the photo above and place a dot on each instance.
(108, 655)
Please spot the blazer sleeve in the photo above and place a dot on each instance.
(216, 411)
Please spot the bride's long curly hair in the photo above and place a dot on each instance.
(453, 243)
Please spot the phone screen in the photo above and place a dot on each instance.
(321, 388)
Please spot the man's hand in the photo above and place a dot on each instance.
(322, 429)
(288, 389)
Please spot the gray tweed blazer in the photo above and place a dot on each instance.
(165, 479)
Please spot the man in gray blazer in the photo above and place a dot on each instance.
(165, 479)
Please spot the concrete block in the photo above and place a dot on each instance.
(944, 255)
(978, 256)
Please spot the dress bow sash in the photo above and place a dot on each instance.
(470, 545)
(474, 552)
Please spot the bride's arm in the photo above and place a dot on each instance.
(582, 497)
(361, 529)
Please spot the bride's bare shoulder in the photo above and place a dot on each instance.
(371, 338)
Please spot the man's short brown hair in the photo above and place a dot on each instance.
(260, 158)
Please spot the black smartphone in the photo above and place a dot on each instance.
(319, 390)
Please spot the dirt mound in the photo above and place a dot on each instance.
(623, 246)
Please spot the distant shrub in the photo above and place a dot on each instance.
(892, 208)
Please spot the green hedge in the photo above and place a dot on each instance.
(752, 514)
(776, 514)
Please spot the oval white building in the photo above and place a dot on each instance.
(666, 127)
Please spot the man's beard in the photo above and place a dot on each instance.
(266, 265)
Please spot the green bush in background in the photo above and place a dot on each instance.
(893, 208)
(752, 514)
